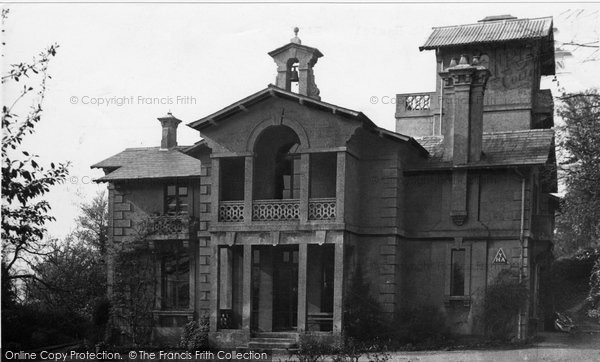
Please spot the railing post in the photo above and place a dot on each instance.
(248, 186)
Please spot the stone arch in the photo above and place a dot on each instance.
(295, 126)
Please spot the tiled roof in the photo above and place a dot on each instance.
(489, 32)
(149, 163)
(527, 147)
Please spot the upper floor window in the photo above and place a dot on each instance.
(175, 281)
(457, 278)
(176, 200)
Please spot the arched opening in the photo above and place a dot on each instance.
(276, 164)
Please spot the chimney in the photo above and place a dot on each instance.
(169, 131)
(464, 85)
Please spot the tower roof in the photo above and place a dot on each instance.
(492, 29)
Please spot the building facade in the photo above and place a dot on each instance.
(261, 224)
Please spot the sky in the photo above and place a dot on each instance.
(120, 66)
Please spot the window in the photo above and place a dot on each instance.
(457, 279)
(175, 270)
(176, 201)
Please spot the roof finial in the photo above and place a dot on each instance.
(295, 39)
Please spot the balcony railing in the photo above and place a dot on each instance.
(417, 102)
(231, 211)
(278, 210)
(171, 226)
(275, 210)
(321, 209)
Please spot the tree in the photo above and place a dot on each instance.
(24, 180)
(579, 218)
(92, 224)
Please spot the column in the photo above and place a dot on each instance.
(304, 186)
(338, 287)
(248, 186)
(247, 287)
(214, 286)
(302, 272)
(214, 192)
(340, 186)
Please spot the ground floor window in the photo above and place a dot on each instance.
(457, 279)
(175, 269)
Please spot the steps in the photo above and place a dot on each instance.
(273, 341)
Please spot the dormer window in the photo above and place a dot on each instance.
(176, 199)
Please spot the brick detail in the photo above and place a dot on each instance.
(123, 206)
(122, 223)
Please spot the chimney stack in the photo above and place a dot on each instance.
(464, 85)
(169, 131)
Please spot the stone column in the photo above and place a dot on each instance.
(214, 286)
(340, 186)
(302, 273)
(304, 186)
(248, 187)
(214, 192)
(338, 287)
(247, 288)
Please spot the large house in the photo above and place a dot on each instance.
(261, 224)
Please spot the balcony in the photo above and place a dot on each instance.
(278, 210)
(542, 226)
(171, 227)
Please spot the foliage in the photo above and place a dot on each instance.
(73, 278)
(421, 325)
(503, 299)
(594, 296)
(134, 289)
(363, 317)
(24, 180)
(578, 224)
(30, 326)
(312, 349)
(195, 335)
(92, 223)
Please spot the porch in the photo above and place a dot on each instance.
(264, 289)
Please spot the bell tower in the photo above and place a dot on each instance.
(295, 63)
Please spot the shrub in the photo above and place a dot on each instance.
(594, 296)
(421, 325)
(312, 349)
(363, 316)
(195, 335)
(503, 299)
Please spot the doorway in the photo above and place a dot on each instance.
(285, 288)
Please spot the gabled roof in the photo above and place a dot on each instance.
(274, 91)
(316, 51)
(149, 163)
(489, 31)
(512, 148)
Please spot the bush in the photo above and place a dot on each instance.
(594, 296)
(421, 325)
(312, 349)
(503, 299)
(195, 335)
(363, 316)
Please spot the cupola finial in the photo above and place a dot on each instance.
(295, 39)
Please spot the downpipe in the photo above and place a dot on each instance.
(522, 256)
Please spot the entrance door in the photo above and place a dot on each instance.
(285, 288)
